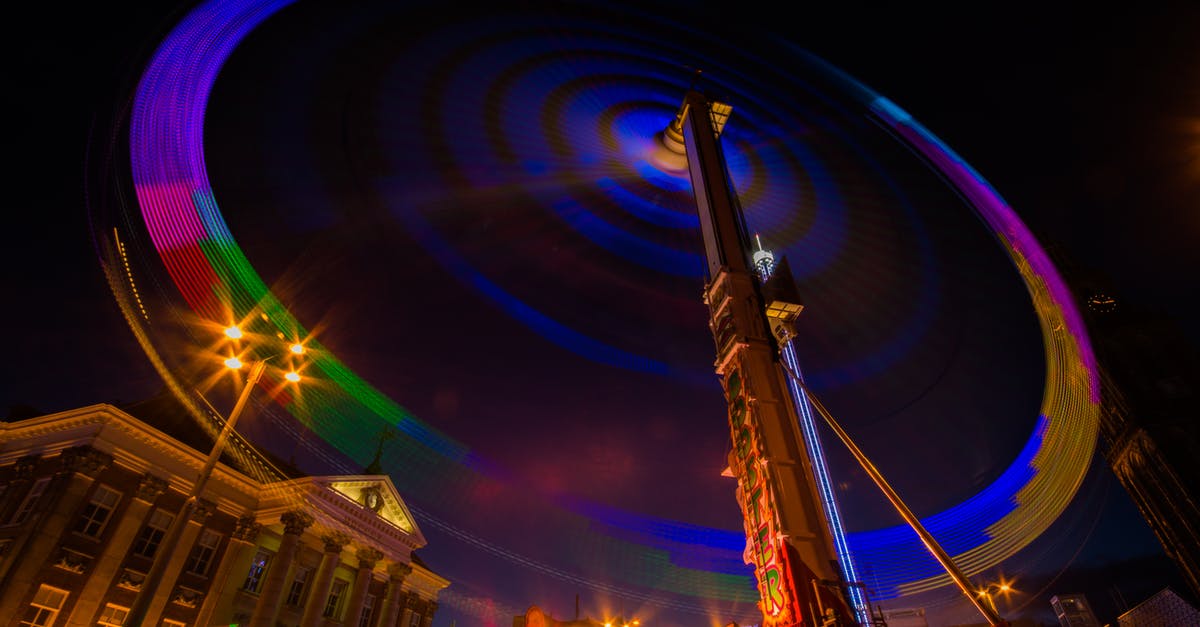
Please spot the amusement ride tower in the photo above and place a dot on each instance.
(787, 535)
(794, 535)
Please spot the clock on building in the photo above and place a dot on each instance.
(1101, 303)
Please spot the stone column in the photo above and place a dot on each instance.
(427, 619)
(271, 595)
(319, 595)
(395, 597)
(226, 581)
(180, 552)
(80, 465)
(367, 558)
(109, 560)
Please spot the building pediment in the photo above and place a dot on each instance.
(360, 507)
(377, 494)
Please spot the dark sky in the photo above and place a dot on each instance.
(1085, 121)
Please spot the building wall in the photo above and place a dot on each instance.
(85, 464)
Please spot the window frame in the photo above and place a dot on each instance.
(258, 572)
(51, 613)
(150, 537)
(36, 491)
(87, 516)
(367, 611)
(337, 596)
(100, 620)
(301, 577)
(200, 559)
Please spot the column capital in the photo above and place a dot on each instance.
(84, 460)
(295, 521)
(203, 509)
(399, 571)
(335, 542)
(246, 529)
(151, 487)
(25, 465)
(368, 557)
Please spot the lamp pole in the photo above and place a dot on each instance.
(137, 613)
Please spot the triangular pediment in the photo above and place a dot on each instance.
(390, 507)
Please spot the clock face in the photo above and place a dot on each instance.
(1101, 303)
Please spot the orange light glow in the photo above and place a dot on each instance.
(233, 333)
(233, 363)
(297, 348)
(293, 376)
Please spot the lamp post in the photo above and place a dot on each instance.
(145, 595)
(986, 593)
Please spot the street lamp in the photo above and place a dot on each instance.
(137, 613)
(986, 593)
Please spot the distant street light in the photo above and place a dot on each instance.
(141, 604)
(986, 593)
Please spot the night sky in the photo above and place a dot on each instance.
(1085, 122)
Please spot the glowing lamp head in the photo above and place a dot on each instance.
(233, 363)
(297, 348)
(233, 333)
(292, 376)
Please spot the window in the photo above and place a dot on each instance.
(296, 592)
(31, 500)
(415, 621)
(112, 615)
(364, 617)
(334, 604)
(44, 607)
(147, 541)
(202, 555)
(166, 622)
(98, 511)
(258, 568)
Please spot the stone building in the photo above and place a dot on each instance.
(87, 495)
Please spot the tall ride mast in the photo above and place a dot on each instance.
(787, 538)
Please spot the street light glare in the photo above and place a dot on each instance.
(292, 376)
(233, 363)
(233, 333)
(297, 348)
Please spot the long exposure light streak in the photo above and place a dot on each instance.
(185, 224)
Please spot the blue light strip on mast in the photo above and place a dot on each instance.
(816, 454)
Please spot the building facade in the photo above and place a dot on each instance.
(1073, 610)
(1151, 379)
(86, 497)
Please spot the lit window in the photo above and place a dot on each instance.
(97, 512)
(31, 500)
(334, 604)
(44, 607)
(364, 617)
(147, 541)
(166, 622)
(296, 592)
(258, 569)
(202, 555)
(112, 615)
